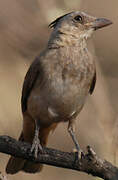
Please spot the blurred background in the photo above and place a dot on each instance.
(23, 35)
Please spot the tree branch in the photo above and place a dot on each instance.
(88, 163)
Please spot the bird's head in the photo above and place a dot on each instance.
(78, 24)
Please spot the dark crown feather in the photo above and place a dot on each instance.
(54, 23)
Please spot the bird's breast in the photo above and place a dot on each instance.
(67, 92)
(63, 93)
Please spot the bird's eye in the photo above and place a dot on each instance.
(78, 18)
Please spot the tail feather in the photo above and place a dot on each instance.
(15, 164)
(30, 167)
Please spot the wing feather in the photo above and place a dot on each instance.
(29, 82)
(93, 84)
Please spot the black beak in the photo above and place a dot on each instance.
(100, 23)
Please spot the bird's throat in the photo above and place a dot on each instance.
(67, 40)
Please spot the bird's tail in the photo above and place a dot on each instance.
(15, 165)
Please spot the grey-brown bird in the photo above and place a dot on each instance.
(57, 84)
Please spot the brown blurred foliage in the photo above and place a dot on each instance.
(23, 34)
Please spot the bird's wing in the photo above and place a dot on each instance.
(93, 84)
(29, 82)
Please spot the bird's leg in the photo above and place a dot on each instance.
(71, 130)
(36, 146)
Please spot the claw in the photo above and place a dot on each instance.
(36, 146)
(79, 153)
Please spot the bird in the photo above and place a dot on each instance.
(57, 84)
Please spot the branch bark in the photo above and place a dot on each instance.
(89, 162)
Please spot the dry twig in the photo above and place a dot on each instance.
(89, 163)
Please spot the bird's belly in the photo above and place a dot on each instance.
(56, 104)
(68, 105)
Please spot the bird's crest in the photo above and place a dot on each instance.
(54, 23)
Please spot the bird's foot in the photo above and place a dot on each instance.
(72, 134)
(78, 154)
(77, 150)
(36, 146)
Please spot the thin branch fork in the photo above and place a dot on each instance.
(89, 162)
